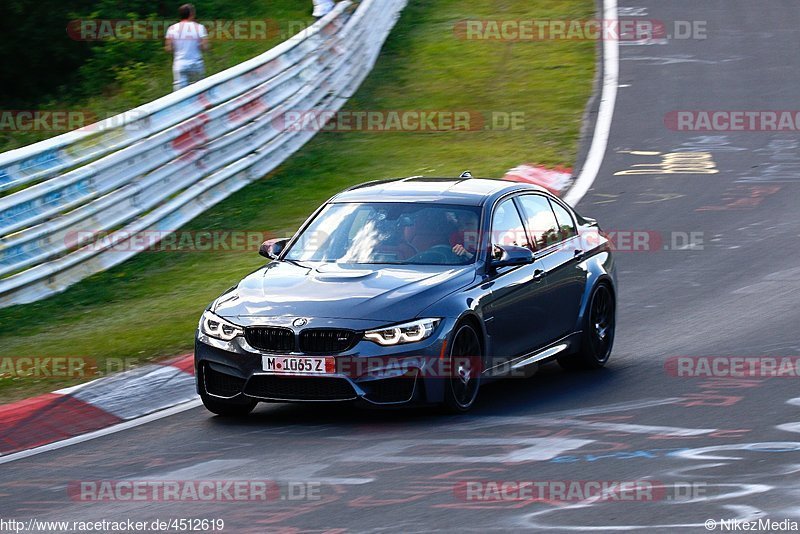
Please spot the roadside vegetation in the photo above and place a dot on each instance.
(49, 64)
(148, 307)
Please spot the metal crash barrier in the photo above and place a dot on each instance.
(154, 168)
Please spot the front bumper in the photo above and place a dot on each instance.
(368, 373)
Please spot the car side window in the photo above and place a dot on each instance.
(507, 227)
(565, 224)
(540, 220)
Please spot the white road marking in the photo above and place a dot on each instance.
(402, 451)
(791, 427)
(671, 431)
(198, 471)
(562, 422)
(742, 513)
(605, 114)
(248, 469)
(600, 409)
(702, 453)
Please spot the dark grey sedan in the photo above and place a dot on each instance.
(416, 290)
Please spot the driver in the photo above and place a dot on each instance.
(398, 244)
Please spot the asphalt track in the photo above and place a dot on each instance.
(734, 295)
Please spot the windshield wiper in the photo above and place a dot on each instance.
(296, 263)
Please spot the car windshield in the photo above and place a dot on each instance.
(401, 233)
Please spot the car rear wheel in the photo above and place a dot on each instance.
(465, 366)
(598, 332)
(228, 408)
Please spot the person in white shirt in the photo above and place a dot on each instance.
(187, 40)
(322, 7)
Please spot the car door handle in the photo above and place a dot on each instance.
(578, 254)
(538, 274)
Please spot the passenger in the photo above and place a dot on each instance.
(465, 239)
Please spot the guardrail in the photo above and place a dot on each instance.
(159, 166)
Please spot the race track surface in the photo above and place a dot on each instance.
(733, 291)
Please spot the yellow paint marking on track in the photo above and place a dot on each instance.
(675, 163)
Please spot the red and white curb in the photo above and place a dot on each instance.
(92, 406)
(555, 179)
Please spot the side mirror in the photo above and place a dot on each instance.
(508, 255)
(272, 248)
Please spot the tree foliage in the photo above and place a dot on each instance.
(39, 60)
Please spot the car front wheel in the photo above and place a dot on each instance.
(465, 366)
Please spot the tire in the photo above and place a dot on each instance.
(598, 332)
(228, 408)
(465, 367)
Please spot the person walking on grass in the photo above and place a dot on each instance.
(187, 40)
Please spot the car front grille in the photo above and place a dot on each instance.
(311, 340)
(326, 340)
(270, 338)
(302, 388)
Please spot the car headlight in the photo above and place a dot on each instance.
(403, 333)
(214, 326)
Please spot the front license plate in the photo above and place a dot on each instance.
(299, 365)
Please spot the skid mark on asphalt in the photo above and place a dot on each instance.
(782, 163)
(742, 197)
(778, 282)
(709, 143)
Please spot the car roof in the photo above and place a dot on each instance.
(461, 191)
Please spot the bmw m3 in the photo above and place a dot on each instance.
(417, 290)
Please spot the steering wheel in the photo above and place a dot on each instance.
(441, 254)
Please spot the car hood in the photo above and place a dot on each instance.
(381, 293)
